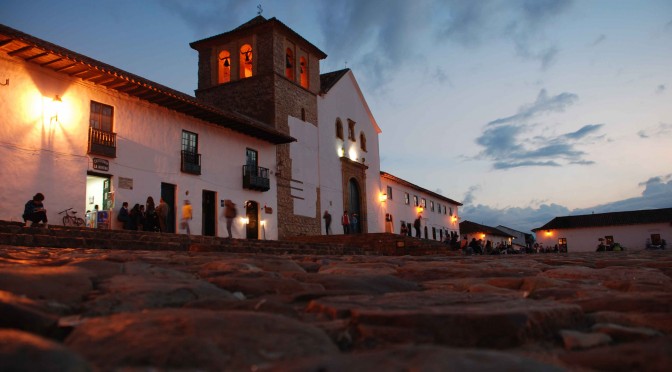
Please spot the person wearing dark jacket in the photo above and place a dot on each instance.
(34, 211)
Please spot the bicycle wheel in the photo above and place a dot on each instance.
(79, 221)
(66, 221)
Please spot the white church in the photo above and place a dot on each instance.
(265, 129)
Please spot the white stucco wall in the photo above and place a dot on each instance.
(345, 101)
(632, 237)
(401, 211)
(305, 174)
(48, 156)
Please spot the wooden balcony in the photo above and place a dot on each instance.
(256, 178)
(102, 143)
(191, 162)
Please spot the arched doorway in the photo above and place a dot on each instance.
(354, 203)
(252, 215)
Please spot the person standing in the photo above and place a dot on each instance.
(186, 216)
(162, 211)
(327, 221)
(389, 223)
(124, 216)
(417, 224)
(345, 221)
(150, 215)
(353, 224)
(230, 213)
(34, 211)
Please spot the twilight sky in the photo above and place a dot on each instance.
(523, 110)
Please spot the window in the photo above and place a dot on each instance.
(415, 200)
(304, 71)
(362, 141)
(189, 142)
(224, 67)
(303, 114)
(101, 117)
(339, 129)
(655, 239)
(254, 176)
(289, 64)
(102, 141)
(431, 206)
(246, 61)
(407, 198)
(351, 130)
(389, 192)
(191, 159)
(451, 210)
(251, 158)
(424, 203)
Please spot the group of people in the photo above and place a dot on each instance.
(147, 217)
(350, 222)
(407, 229)
(477, 247)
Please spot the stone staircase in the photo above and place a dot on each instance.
(15, 234)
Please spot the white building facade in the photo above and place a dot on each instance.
(403, 202)
(634, 230)
(84, 134)
(349, 160)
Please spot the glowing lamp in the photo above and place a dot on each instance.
(382, 198)
(548, 232)
(245, 220)
(341, 152)
(56, 107)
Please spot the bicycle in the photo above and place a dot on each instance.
(71, 219)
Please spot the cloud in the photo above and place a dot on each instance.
(657, 194)
(542, 105)
(599, 40)
(660, 89)
(511, 143)
(662, 129)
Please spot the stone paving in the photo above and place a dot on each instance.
(76, 309)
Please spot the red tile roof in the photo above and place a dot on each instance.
(468, 227)
(610, 219)
(50, 56)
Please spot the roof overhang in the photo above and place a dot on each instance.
(17, 44)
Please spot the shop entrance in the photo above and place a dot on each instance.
(99, 200)
(252, 215)
(209, 217)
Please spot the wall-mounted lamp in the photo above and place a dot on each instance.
(55, 108)
(453, 218)
(382, 197)
(548, 232)
(245, 220)
(6, 82)
(420, 209)
(341, 152)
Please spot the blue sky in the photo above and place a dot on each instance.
(521, 109)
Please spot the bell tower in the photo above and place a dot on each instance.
(265, 70)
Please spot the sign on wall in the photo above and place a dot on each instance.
(101, 164)
(125, 183)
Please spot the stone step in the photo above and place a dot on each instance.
(14, 233)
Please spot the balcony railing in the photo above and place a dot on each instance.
(102, 143)
(256, 178)
(191, 162)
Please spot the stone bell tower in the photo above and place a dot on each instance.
(265, 70)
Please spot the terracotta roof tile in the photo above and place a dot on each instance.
(610, 219)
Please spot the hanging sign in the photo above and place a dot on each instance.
(101, 164)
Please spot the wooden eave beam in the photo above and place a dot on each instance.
(50, 62)
(39, 55)
(20, 50)
(66, 67)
